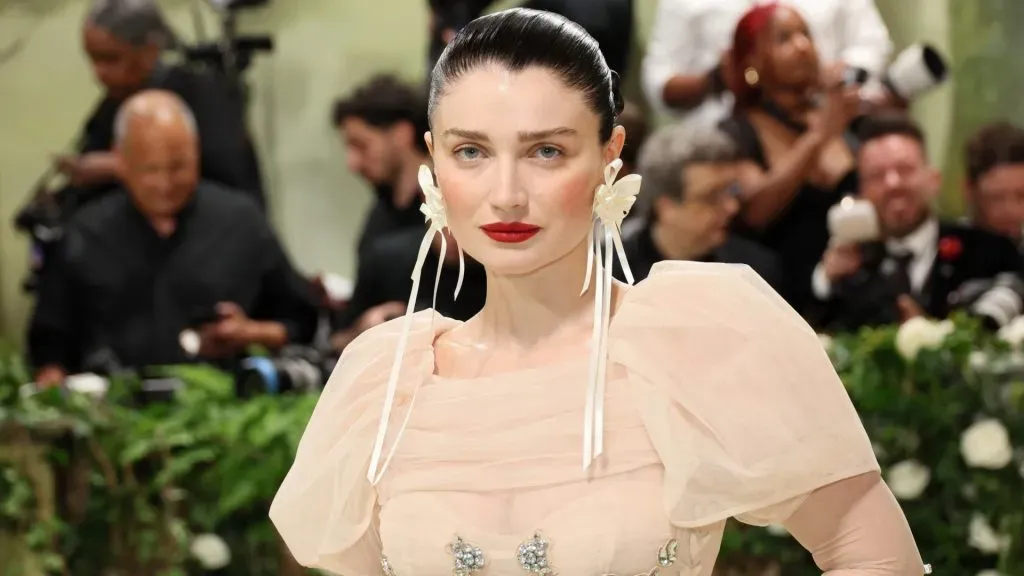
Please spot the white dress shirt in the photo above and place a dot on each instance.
(922, 244)
(690, 36)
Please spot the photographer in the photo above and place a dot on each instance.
(919, 266)
(168, 254)
(123, 40)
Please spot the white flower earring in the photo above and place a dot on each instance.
(436, 214)
(612, 202)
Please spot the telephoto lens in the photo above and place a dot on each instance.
(295, 370)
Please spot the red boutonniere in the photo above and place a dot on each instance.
(950, 248)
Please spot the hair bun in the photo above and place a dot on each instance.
(617, 102)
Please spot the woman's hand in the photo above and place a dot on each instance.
(842, 103)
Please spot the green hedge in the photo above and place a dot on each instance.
(157, 489)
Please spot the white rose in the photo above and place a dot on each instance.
(210, 551)
(983, 537)
(978, 360)
(986, 444)
(920, 333)
(908, 479)
(1012, 333)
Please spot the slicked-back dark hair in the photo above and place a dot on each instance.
(520, 38)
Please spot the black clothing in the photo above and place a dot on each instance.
(117, 287)
(227, 154)
(610, 22)
(964, 256)
(453, 15)
(642, 254)
(385, 276)
(385, 219)
(799, 234)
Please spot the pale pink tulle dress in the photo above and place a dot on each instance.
(720, 402)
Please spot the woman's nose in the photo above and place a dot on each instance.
(507, 193)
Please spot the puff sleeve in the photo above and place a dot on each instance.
(738, 396)
(326, 510)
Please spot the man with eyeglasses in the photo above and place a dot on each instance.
(689, 198)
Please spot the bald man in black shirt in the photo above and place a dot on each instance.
(170, 253)
(123, 40)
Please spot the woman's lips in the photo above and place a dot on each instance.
(510, 232)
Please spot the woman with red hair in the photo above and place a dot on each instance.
(790, 120)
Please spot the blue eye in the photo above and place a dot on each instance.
(468, 153)
(548, 152)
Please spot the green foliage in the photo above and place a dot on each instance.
(918, 410)
(155, 476)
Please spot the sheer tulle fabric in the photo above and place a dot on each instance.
(720, 402)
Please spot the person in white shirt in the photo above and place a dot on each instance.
(682, 69)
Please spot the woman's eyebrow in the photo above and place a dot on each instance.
(523, 136)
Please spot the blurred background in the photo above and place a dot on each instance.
(315, 110)
(324, 48)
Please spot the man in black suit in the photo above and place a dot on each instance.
(920, 266)
(689, 198)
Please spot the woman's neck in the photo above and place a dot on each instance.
(795, 103)
(542, 307)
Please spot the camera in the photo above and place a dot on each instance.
(297, 369)
(232, 53)
(41, 218)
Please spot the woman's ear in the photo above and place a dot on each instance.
(429, 139)
(614, 146)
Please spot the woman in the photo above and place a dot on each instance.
(791, 120)
(441, 447)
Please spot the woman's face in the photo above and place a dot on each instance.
(791, 59)
(518, 158)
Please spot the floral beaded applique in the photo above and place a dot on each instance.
(533, 556)
(467, 559)
(666, 558)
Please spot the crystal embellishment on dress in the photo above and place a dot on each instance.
(466, 558)
(667, 553)
(533, 556)
(385, 567)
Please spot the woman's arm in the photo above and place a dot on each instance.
(767, 193)
(855, 527)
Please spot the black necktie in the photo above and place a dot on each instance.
(901, 274)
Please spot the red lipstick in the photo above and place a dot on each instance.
(510, 232)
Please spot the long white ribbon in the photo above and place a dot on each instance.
(612, 202)
(433, 210)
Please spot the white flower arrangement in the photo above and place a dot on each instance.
(908, 479)
(1013, 333)
(983, 537)
(986, 444)
(919, 334)
(210, 551)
